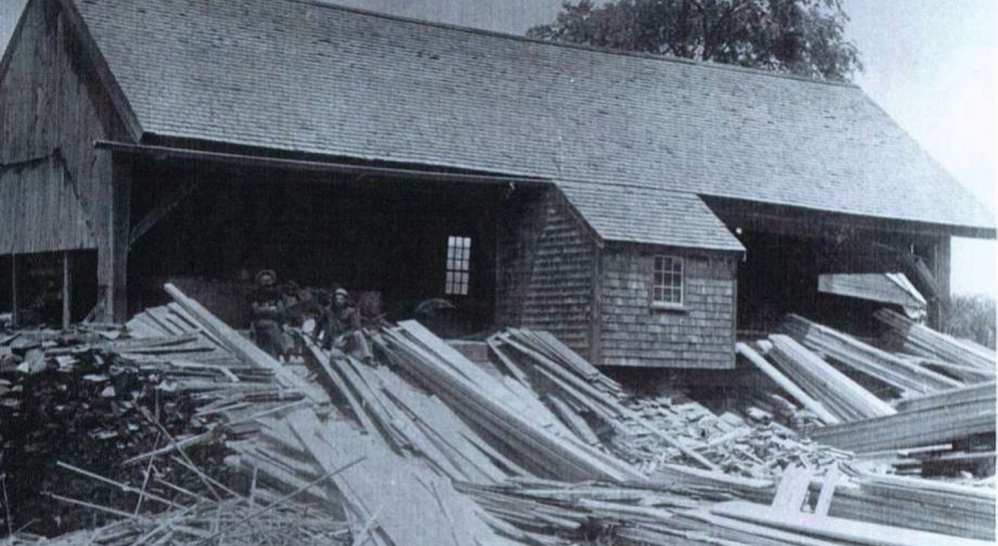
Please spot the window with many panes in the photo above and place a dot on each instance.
(458, 266)
(667, 286)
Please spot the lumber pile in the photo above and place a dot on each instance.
(497, 409)
(929, 420)
(200, 515)
(843, 397)
(387, 498)
(80, 396)
(891, 370)
(416, 444)
(958, 510)
(962, 358)
(827, 529)
(752, 446)
(785, 383)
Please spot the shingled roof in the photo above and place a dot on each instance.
(632, 140)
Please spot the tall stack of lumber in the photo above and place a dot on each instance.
(861, 357)
(843, 397)
(491, 406)
(977, 363)
(387, 497)
(929, 420)
(787, 384)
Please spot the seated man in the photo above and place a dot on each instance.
(339, 327)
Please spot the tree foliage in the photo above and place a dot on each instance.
(973, 318)
(800, 37)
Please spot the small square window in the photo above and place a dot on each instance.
(667, 286)
(458, 266)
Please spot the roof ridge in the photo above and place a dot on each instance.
(331, 4)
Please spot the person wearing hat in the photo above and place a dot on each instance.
(267, 305)
(337, 320)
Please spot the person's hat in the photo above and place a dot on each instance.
(342, 291)
(265, 273)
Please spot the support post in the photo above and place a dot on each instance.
(941, 269)
(112, 267)
(15, 319)
(67, 290)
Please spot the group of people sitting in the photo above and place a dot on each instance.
(277, 309)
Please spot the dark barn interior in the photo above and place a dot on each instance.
(787, 252)
(370, 234)
(40, 278)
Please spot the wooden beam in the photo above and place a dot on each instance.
(167, 204)
(596, 308)
(112, 251)
(15, 312)
(837, 529)
(786, 384)
(303, 165)
(67, 290)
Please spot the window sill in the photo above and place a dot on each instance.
(659, 306)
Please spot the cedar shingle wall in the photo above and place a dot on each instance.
(701, 335)
(545, 260)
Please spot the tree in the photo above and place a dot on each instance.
(800, 37)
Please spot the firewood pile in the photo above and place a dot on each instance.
(421, 445)
(80, 397)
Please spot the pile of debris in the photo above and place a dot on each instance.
(420, 445)
(77, 398)
(931, 412)
(754, 445)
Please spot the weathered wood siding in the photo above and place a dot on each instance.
(545, 269)
(700, 335)
(51, 104)
(29, 191)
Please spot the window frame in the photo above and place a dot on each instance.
(668, 305)
(457, 266)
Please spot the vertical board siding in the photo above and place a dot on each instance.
(30, 192)
(701, 335)
(545, 269)
(51, 104)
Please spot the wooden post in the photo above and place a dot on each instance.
(14, 312)
(67, 290)
(941, 269)
(596, 307)
(112, 252)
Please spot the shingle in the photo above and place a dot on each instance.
(649, 215)
(314, 78)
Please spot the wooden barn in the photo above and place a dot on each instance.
(643, 209)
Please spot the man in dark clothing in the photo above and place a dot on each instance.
(339, 319)
(267, 303)
(340, 329)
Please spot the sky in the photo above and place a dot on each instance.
(930, 64)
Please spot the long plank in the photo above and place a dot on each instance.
(240, 347)
(851, 531)
(786, 384)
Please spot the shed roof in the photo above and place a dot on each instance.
(616, 132)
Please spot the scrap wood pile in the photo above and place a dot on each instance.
(894, 371)
(78, 397)
(648, 430)
(421, 446)
(935, 418)
(750, 443)
(202, 516)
